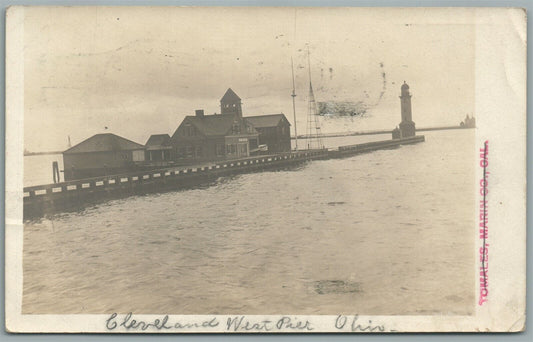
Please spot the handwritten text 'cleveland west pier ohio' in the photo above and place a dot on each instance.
(242, 323)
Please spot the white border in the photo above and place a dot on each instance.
(501, 119)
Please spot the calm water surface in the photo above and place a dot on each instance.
(388, 232)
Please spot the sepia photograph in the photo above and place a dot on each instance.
(264, 169)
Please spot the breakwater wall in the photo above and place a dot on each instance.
(74, 195)
(376, 132)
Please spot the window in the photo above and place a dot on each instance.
(249, 129)
(219, 149)
(188, 151)
(236, 128)
(231, 148)
(189, 130)
(138, 155)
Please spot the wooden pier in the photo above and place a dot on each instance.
(74, 195)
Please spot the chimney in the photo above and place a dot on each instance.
(199, 113)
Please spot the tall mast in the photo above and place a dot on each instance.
(294, 105)
(313, 127)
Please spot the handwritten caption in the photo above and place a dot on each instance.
(484, 225)
(240, 323)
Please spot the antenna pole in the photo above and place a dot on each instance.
(313, 127)
(309, 63)
(294, 105)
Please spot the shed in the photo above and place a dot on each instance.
(100, 155)
(158, 147)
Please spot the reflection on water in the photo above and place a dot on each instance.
(388, 232)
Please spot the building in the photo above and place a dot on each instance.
(158, 148)
(469, 122)
(407, 126)
(101, 155)
(274, 131)
(212, 137)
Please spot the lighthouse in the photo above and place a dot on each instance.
(407, 126)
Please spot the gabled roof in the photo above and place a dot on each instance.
(230, 96)
(270, 120)
(158, 140)
(104, 143)
(212, 124)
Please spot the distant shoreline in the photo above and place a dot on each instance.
(41, 153)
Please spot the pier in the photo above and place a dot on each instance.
(74, 195)
(381, 131)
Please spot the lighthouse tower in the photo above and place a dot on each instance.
(407, 126)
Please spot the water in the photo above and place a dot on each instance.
(38, 169)
(388, 232)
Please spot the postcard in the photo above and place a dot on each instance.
(265, 169)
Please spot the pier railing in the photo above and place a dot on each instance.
(140, 177)
(51, 198)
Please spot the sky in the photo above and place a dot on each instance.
(137, 71)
